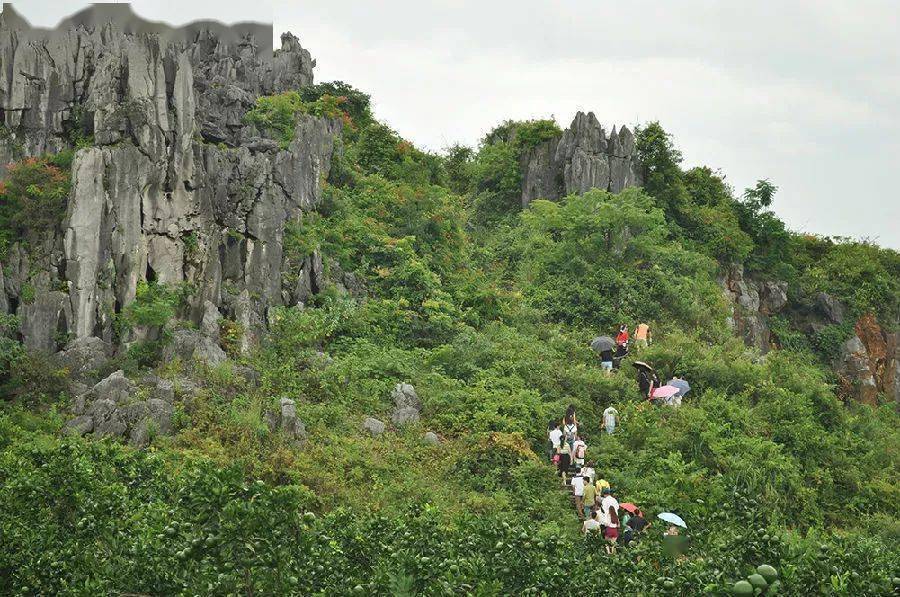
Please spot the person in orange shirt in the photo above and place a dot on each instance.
(642, 336)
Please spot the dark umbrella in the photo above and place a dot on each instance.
(683, 386)
(602, 344)
(641, 365)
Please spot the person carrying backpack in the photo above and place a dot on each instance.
(570, 430)
(578, 450)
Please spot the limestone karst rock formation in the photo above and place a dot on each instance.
(752, 303)
(176, 188)
(583, 158)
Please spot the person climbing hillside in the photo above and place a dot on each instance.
(683, 388)
(578, 451)
(570, 428)
(578, 492)
(590, 495)
(554, 435)
(607, 502)
(570, 414)
(638, 523)
(621, 346)
(611, 532)
(646, 378)
(626, 533)
(610, 419)
(606, 361)
(601, 484)
(643, 337)
(564, 460)
(589, 472)
(592, 524)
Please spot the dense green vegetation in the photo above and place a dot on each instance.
(488, 310)
(33, 199)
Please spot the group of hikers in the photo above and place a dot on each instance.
(613, 350)
(595, 502)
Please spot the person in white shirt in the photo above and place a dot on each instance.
(589, 473)
(578, 490)
(578, 450)
(555, 434)
(605, 504)
(592, 523)
(610, 419)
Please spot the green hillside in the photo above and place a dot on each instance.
(440, 279)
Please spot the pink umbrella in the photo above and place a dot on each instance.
(665, 392)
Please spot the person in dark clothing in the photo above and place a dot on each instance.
(565, 460)
(644, 381)
(621, 353)
(638, 523)
(647, 382)
(607, 361)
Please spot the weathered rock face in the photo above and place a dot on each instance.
(177, 189)
(113, 408)
(286, 420)
(869, 363)
(583, 158)
(752, 304)
(406, 405)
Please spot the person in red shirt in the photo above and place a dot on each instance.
(622, 338)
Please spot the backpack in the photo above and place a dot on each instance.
(579, 453)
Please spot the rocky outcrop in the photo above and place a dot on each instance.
(177, 189)
(373, 426)
(84, 357)
(406, 405)
(583, 158)
(752, 303)
(113, 408)
(285, 419)
(869, 363)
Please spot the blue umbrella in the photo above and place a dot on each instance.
(672, 519)
(683, 386)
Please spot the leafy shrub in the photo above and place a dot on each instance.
(356, 104)
(278, 114)
(33, 199)
(154, 304)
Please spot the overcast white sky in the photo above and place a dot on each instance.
(806, 94)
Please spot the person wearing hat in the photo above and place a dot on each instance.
(607, 502)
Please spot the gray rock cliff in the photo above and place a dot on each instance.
(583, 158)
(752, 303)
(175, 188)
